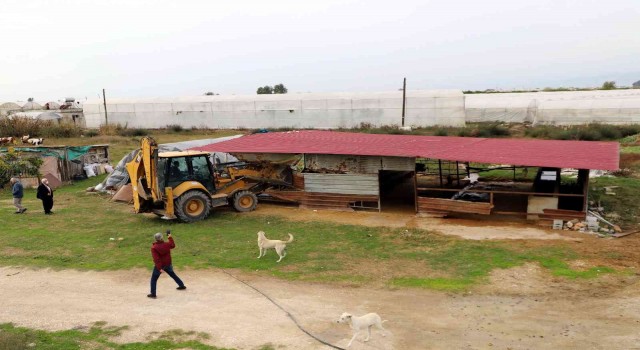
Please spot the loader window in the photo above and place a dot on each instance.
(181, 169)
(178, 171)
(201, 171)
(162, 173)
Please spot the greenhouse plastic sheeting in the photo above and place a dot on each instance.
(305, 110)
(558, 108)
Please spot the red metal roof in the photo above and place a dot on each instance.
(524, 152)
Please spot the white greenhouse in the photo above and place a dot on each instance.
(308, 110)
(559, 108)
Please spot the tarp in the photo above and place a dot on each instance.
(74, 152)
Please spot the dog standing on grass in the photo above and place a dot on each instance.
(362, 322)
(280, 246)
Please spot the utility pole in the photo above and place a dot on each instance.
(404, 98)
(106, 118)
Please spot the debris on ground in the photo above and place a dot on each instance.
(591, 224)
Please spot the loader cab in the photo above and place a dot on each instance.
(174, 168)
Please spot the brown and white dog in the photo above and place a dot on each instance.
(6, 140)
(280, 246)
(25, 138)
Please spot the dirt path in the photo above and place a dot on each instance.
(522, 309)
(465, 228)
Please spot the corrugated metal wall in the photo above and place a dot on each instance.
(342, 183)
(357, 164)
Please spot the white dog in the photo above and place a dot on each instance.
(278, 245)
(362, 322)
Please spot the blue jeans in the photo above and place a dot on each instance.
(156, 274)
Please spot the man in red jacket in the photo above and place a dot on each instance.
(161, 252)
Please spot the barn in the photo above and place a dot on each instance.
(431, 175)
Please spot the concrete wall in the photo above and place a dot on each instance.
(337, 110)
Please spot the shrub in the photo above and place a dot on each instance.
(60, 130)
(18, 127)
(629, 129)
(390, 129)
(464, 132)
(607, 132)
(568, 134)
(17, 164)
(365, 126)
(91, 133)
(110, 129)
(588, 134)
(491, 130)
(133, 132)
(441, 132)
(175, 128)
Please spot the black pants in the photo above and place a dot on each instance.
(47, 204)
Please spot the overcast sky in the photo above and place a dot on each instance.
(54, 49)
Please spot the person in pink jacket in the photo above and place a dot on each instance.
(161, 252)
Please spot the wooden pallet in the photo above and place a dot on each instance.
(565, 215)
(317, 200)
(440, 206)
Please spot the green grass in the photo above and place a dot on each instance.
(98, 336)
(443, 284)
(624, 203)
(79, 236)
(630, 149)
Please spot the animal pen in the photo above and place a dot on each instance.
(431, 175)
(65, 163)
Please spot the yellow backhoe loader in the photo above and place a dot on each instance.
(186, 185)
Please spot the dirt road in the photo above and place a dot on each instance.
(522, 309)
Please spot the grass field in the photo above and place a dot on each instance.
(98, 336)
(88, 231)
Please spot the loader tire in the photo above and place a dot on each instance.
(192, 206)
(245, 201)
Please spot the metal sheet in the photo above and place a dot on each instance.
(357, 164)
(342, 183)
(398, 163)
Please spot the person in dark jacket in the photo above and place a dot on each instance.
(45, 194)
(161, 252)
(18, 193)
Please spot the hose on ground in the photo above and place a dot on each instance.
(283, 309)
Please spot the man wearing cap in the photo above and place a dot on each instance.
(18, 193)
(161, 252)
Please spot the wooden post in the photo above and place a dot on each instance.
(440, 170)
(66, 163)
(104, 101)
(458, 173)
(491, 199)
(583, 180)
(404, 98)
(415, 189)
